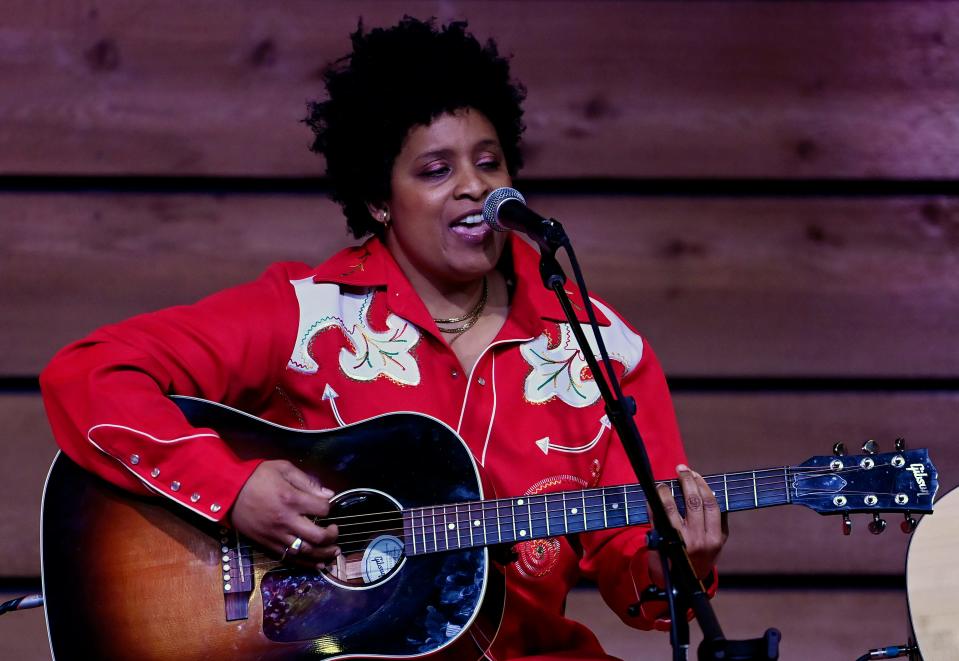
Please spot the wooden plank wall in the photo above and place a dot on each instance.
(764, 189)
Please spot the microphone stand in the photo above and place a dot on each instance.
(683, 589)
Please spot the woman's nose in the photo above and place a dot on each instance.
(472, 184)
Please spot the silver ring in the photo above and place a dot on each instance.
(295, 546)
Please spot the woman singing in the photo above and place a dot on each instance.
(434, 313)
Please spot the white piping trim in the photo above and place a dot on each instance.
(149, 485)
(143, 433)
(330, 396)
(469, 381)
(547, 445)
(489, 430)
(466, 395)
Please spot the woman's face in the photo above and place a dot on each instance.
(440, 180)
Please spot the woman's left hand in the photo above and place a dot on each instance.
(704, 529)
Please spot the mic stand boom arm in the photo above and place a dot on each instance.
(683, 589)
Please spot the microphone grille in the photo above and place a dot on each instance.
(493, 202)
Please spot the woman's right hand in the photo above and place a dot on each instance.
(277, 505)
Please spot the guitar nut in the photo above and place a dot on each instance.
(901, 499)
(867, 463)
(839, 501)
(870, 500)
(898, 461)
(836, 465)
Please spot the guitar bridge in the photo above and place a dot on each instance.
(236, 575)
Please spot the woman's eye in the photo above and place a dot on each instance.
(491, 164)
(436, 171)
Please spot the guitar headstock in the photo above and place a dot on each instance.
(904, 482)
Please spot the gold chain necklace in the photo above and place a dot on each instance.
(470, 317)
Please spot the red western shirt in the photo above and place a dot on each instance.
(350, 339)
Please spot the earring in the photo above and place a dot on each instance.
(386, 218)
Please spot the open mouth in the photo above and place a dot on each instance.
(471, 228)
(471, 220)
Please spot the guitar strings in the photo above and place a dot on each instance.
(589, 496)
(427, 531)
(504, 511)
(434, 528)
(733, 489)
(420, 524)
(779, 474)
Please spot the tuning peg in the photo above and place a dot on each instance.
(870, 447)
(846, 525)
(839, 449)
(909, 524)
(877, 525)
(900, 444)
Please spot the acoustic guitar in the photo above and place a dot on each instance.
(932, 581)
(131, 577)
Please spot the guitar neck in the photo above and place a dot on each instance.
(510, 520)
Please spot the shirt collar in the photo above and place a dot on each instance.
(371, 265)
(365, 265)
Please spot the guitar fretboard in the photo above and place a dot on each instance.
(510, 520)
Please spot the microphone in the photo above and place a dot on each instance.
(505, 209)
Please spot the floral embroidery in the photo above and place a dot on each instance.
(537, 557)
(561, 370)
(372, 353)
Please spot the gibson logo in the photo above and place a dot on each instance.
(919, 472)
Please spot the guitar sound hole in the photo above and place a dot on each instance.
(370, 537)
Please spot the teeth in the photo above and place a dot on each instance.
(474, 219)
